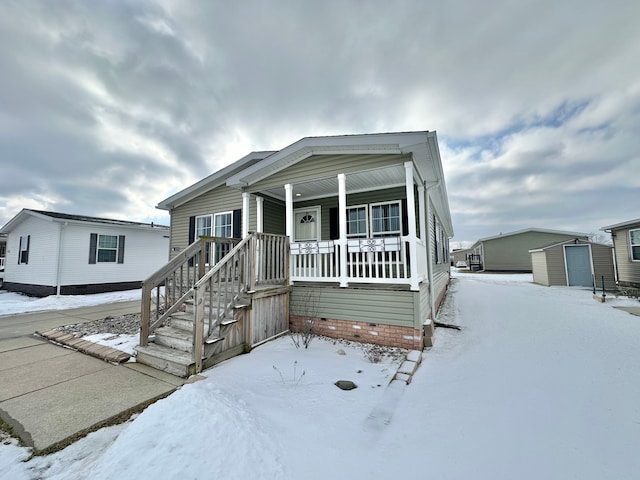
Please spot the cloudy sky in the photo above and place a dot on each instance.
(109, 107)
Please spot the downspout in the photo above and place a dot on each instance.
(430, 250)
(59, 261)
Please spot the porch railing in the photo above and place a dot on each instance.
(216, 289)
(165, 291)
(368, 260)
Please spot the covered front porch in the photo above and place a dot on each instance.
(356, 227)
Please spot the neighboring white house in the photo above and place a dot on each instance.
(3, 248)
(57, 253)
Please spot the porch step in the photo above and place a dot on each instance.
(175, 338)
(182, 321)
(166, 359)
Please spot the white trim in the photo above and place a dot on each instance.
(318, 211)
(564, 252)
(342, 228)
(630, 246)
(213, 224)
(259, 214)
(366, 219)
(245, 214)
(391, 232)
(195, 225)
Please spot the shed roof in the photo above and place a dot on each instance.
(566, 242)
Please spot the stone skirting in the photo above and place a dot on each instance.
(376, 333)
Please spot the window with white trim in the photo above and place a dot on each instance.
(23, 253)
(357, 221)
(107, 249)
(223, 225)
(386, 219)
(634, 244)
(203, 226)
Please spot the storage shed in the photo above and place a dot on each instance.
(574, 263)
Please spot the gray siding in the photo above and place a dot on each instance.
(324, 166)
(361, 304)
(628, 270)
(511, 252)
(274, 216)
(326, 204)
(218, 200)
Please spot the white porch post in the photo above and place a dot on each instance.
(259, 214)
(342, 219)
(288, 191)
(411, 218)
(245, 214)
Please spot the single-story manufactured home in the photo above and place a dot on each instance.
(509, 252)
(574, 263)
(460, 255)
(58, 253)
(3, 249)
(626, 244)
(352, 231)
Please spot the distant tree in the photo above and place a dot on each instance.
(601, 237)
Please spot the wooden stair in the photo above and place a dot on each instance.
(171, 347)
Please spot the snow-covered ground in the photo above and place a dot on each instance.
(541, 382)
(12, 303)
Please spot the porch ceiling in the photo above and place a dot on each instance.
(366, 181)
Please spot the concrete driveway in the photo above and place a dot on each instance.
(51, 395)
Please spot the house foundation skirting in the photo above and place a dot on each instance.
(376, 333)
(46, 290)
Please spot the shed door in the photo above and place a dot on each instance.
(578, 265)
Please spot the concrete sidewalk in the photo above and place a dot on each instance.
(50, 395)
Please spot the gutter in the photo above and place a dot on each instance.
(59, 257)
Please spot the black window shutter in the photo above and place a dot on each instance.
(93, 243)
(405, 217)
(121, 249)
(192, 229)
(334, 224)
(192, 235)
(237, 223)
(26, 260)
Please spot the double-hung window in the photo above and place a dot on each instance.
(223, 225)
(107, 249)
(386, 219)
(357, 221)
(23, 253)
(634, 244)
(203, 226)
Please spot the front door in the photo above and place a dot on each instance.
(307, 224)
(578, 265)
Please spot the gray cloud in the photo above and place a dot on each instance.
(106, 108)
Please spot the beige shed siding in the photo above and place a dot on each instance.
(556, 270)
(218, 200)
(511, 252)
(390, 307)
(323, 166)
(539, 268)
(628, 270)
(603, 265)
